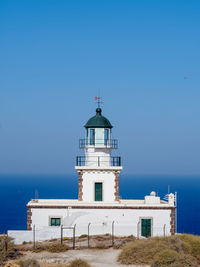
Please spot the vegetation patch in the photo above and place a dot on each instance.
(167, 258)
(46, 264)
(193, 242)
(7, 249)
(83, 236)
(101, 246)
(28, 263)
(180, 250)
(79, 263)
(54, 248)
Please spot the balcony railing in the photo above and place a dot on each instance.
(104, 143)
(94, 161)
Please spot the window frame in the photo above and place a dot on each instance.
(55, 218)
(106, 141)
(89, 137)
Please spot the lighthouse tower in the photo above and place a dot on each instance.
(98, 202)
(98, 170)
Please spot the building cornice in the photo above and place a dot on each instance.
(88, 168)
(99, 207)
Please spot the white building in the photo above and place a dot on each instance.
(98, 206)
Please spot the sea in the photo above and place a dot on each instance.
(17, 190)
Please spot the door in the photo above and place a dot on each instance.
(98, 192)
(146, 227)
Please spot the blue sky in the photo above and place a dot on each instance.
(143, 55)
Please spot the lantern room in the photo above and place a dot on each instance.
(98, 133)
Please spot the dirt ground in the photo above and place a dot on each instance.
(100, 254)
(96, 257)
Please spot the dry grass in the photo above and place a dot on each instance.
(166, 258)
(157, 250)
(7, 249)
(193, 242)
(83, 236)
(74, 263)
(53, 248)
(45, 264)
(101, 246)
(28, 263)
(79, 263)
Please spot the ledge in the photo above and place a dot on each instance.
(110, 168)
(76, 204)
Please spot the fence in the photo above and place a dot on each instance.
(112, 229)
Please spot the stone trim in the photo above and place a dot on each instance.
(80, 185)
(116, 186)
(172, 221)
(101, 207)
(29, 219)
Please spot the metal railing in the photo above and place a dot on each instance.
(98, 161)
(108, 143)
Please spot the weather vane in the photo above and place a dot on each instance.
(98, 100)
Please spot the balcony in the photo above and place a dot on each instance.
(99, 143)
(94, 161)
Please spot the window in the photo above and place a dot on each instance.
(99, 136)
(55, 221)
(98, 192)
(92, 136)
(106, 137)
(86, 136)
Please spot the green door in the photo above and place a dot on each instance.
(98, 192)
(146, 227)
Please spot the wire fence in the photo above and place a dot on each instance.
(88, 234)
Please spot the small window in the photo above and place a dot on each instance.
(55, 221)
(86, 136)
(92, 137)
(106, 137)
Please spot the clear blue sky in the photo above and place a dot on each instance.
(143, 55)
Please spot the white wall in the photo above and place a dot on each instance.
(125, 222)
(96, 157)
(108, 180)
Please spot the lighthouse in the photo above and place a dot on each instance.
(98, 170)
(98, 204)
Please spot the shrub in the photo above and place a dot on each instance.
(193, 242)
(46, 264)
(188, 261)
(9, 264)
(54, 248)
(79, 263)
(39, 248)
(10, 252)
(101, 246)
(166, 258)
(83, 236)
(137, 252)
(107, 234)
(29, 263)
(144, 251)
(53, 240)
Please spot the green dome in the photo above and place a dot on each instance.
(98, 121)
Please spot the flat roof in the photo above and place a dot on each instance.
(76, 202)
